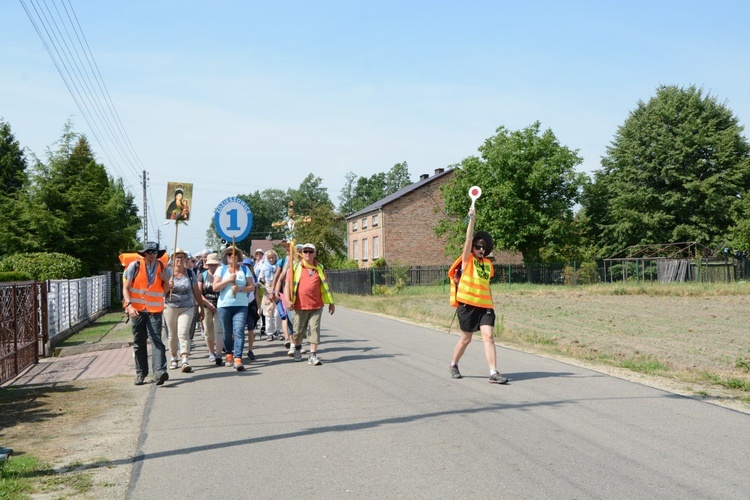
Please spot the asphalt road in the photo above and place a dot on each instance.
(381, 418)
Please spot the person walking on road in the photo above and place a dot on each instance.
(471, 294)
(211, 321)
(308, 291)
(234, 283)
(145, 282)
(179, 312)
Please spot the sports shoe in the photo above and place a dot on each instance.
(229, 361)
(455, 373)
(186, 366)
(269, 337)
(262, 330)
(250, 356)
(163, 377)
(212, 358)
(218, 360)
(297, 355)
(139, 380)
(313, 360)
(290, 352)
(287, 344)
(173, 365)
(496, 378)
(238, 364)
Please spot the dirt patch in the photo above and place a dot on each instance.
(87, 431)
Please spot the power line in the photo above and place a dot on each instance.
(63, 38)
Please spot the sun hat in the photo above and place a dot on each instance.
(225, 259)
(212, 259)
(483, 235)
(310, 246)
(151, 245)
(248, 262)
(179, 250)
(258, 250)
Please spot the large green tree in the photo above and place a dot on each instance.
(14, 237)
(79, 210)
(529, 188)
(674, 172)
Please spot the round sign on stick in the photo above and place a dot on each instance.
(233, 219)
(474, 193)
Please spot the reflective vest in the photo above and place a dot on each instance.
(472, 285)
(144, 297)
(325, 291)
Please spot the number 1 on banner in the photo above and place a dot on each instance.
(233, 220)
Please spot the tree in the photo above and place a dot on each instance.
(309, 195)
(13, 175)
(347, 199)
(361, 192)
(79, 210)
(327, 231)
(529, 187)
(397, 178)
(674, 172)
(14, 236)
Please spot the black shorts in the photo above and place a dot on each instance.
(470, 318)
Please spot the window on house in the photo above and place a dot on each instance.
(354, 225)
(374, 220)
(364, 223)
(364, 249)
(355, 250)
(375, 241)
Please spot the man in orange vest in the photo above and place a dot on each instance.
(471, 294)
(145, 282)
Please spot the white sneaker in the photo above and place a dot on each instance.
(212, 358)
(290, 353)
(173, 364)
(313, 360)
(297, 355)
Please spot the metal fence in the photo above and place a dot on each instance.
(34, 316)
(367, 281)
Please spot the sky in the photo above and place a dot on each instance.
(241, 96)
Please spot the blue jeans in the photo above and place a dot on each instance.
(147, 325)
(233, 320)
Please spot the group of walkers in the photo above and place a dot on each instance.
(229, 295)
(222, 292)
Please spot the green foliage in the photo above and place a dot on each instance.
(13, 176)
(529, 187)
(586, 274)
(43, 266)
(342, 262)
(360, 192)
(10, 276)
(379, 262)
(675, 171)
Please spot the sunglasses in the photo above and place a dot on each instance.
(480, 247)
(308, 251)
(152, 252)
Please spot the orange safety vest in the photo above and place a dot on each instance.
(473, 285)
(144, 297)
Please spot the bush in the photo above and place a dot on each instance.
(587, 274)
(43, 266)
(10, 276)
(379, 262)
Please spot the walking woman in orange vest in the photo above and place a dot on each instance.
(471, 294)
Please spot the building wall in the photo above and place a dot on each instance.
(408, 227)
(371, 231)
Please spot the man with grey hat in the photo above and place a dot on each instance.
(145, 282)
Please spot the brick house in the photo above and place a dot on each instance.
(391, 226)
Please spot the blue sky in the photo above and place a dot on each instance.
(239, 96)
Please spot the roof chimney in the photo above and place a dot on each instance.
(423, 177)
(439, 171)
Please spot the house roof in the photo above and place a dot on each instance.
(399, 194)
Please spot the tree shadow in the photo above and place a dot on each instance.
(28, 405)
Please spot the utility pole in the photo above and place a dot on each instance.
(145, 210)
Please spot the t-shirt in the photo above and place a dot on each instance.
(181, 294)
(208, 287)
(308, 297)
(151, 271)
(226, 299)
